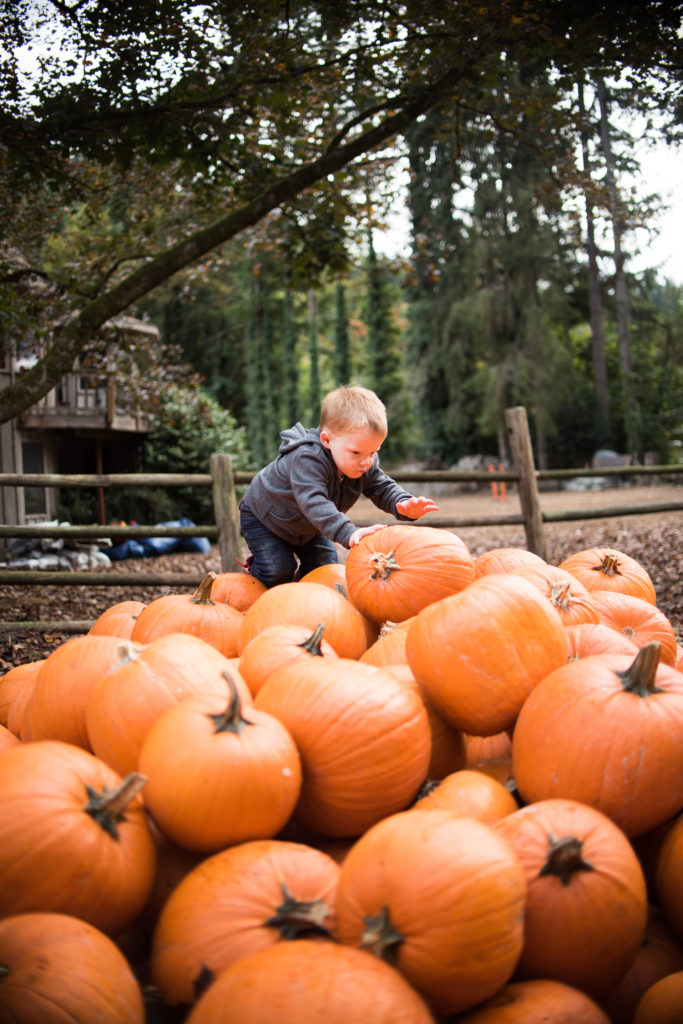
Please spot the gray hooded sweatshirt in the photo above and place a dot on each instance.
(300, 494)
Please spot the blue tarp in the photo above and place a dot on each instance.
(149, 547)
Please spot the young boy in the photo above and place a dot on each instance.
(293, 510)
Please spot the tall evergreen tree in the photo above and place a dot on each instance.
(342, 351)
(290, 363)
(314, 390)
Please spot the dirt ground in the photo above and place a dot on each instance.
(655, 539)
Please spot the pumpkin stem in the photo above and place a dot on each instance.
(381, 938)
(609, 565)
(107, 806)
(639, 677)
(564, 858)
(202, 594)
(341, 589)
(312, 643)
(296, 917)
(383, 564)
(561, 595)
(230, 720)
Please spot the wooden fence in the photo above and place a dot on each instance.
(224, 481)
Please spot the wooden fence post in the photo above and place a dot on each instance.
(225, 510)
(523, 458)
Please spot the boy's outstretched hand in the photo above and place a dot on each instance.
(414, 508)
(364, 531)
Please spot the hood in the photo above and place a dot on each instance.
(298, 435)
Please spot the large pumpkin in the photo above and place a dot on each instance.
(277, 645)
(606, 730)
(395, 572)
(73, 836)
(237, 589)
(198, 614)
(56, 968)
(601, 568)
(540, 1001)
(468, 792)
(662, 1002)
(567, 595)
(240, 900)
(668, 873)
(307, 982)
(480, 653)
(442, 898)
(638, 620)
(586, 904)
(13, 681)
(117, 620)
(363, 736)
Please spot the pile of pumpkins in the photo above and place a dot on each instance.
(417, 787)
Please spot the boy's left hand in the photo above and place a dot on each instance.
(413, 508)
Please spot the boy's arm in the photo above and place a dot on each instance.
(384, 492)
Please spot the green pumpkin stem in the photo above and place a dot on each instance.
(564, 858)
(639, 677)
(383, 564)
(232, 719)
(381, 938)
(202, 594)
(312, 644)
(107, 807)
(297, 917)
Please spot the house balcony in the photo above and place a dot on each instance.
(89, 401)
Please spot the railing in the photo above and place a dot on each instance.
(224, 481)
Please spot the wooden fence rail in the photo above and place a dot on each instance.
(224, 481)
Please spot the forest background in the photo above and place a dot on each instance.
(225, 170)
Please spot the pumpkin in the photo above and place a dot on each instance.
(668, 873)
(504, 559)
(662, 1002)
(468, 792)
(678, 664)
(538, 1001)
(15, 713)
(567, 595)
(197, 614)
(57, 968)
(442, 898)
(237, 589)
(12, 682)
(73, 836)
(483, 748)
(308, 604)
(608, 569)
(333, 574)
(117, 620)
(597, 638)
(395, 572)
(606, 730)
(278, 645)
(126, 702)
(660, 953)
(480, 653)
(449, 752)
(173, 862)
(637, 620)
(7, 738)
(58, 704)
(586, 903)
(217, 776)
(390, 646)
(307, 982)
(363, 737)
(235, 902)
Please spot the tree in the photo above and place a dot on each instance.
(261, 110)
(342, 352)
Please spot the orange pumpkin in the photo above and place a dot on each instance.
(537, 1002)
(586, 904)
(311, 982)
(412, 890)
(125, 703)
(662, 1002)
(608, 569)
(390, 646)
(14, 680)
(468, 792)
(567, 595)
(57, 968)
(197, 614)
(504, 559)
(480, 653)
(58, 704)
(308, 604)
(637, 620)
(587, 638)
(7, 738)
(73, 836)
(278, 645)
(237, 589)
(240, 900)
(449, 751)
(395, 572)
(484, 748)
(331, 575)
(363, 737)
(668, 874)
(216, 776)
(606, 730)
(117, 620)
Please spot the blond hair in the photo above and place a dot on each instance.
(353, 408)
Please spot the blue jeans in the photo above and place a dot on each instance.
(275, 560)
